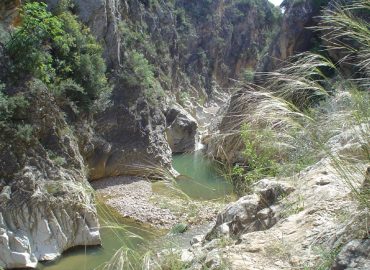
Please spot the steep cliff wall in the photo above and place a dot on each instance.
(162, 51)
(294, 35)
(157, 53)
(45, 203)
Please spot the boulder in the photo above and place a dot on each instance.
(181, 130)
(252, 212)
(354, 256)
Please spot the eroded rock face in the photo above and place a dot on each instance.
(252, 212)
(309, 219)
(45, 204)
(181, 130)
(129, 140)
(42, 227)
(294, 36)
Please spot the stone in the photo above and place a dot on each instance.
(355, 255)
(252, 212)
(196, 239)
(186, 256)
(213, 259)
(238, 217)
(181, 130)
(270, 190)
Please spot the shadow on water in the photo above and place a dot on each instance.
(116, 232)
(199, 180)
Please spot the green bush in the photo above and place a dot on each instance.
(248, 75)
(55, 48)
(28, 46)
(24, 132)
(9, 105)
(140, 73)
(260, 155)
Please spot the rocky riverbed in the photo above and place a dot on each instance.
(158, 204)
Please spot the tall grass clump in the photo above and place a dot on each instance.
(300, 111)
(345, 30)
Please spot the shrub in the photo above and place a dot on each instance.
(28, 47)
(58, 48)
(248, 75)
(140, 73)
(9, 105)
(82, 61)
(260, 155)
(24, 132)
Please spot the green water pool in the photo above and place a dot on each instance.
(132, 235)
(200, 180)
(200, 177)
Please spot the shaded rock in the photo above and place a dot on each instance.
(181, 130)
(196, 239)
(294, 36)
(354, 256)
(213, 260)
(45, 206)
(271, 190)
(129, 140)
(252, 212)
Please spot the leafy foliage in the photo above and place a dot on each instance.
(260, 155)
(9, 105)
(55, 48)
(29, 45)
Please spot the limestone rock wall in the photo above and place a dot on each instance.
(192, 54)
(46, 206)
(294, 35)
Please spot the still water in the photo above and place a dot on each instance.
(199, 179)
(130, 234)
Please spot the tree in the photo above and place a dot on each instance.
(56, 49)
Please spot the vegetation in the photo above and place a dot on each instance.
(137, 71)
(300, 108)
(58, 50)
(316, 3)
(297, 112)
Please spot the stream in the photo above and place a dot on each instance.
(199, 179)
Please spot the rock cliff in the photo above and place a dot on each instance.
(295, 35)
(157, 53)
(192, 48)
(45, 203)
